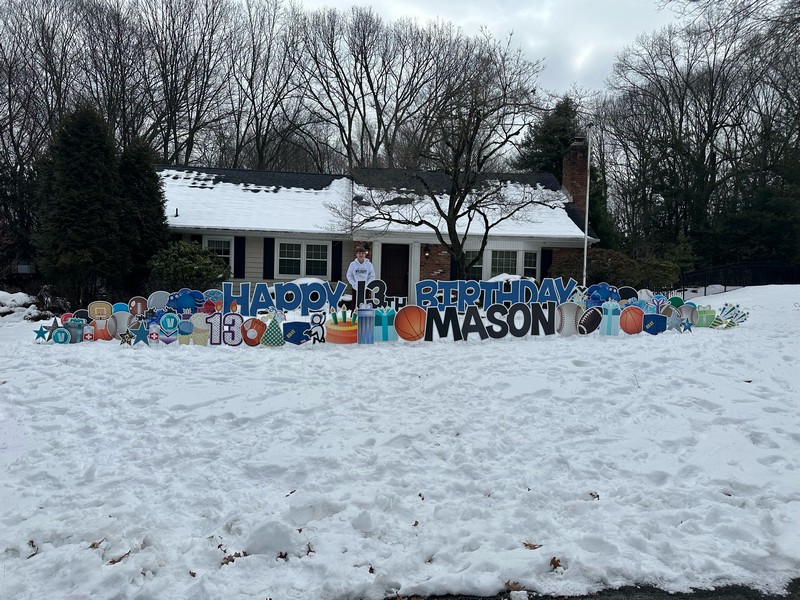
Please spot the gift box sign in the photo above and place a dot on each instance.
(610, 323)
(384, 325)
(705, 316)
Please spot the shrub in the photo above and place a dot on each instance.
(610, 266)
(186, 265)
(616, 269)
(658, 275)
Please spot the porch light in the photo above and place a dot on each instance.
(427, 250)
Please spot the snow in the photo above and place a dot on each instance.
(425, 468)
(15, 300)
(228, 206)
(225, 206)
(547, 220)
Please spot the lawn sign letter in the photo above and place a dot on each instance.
(268, 316)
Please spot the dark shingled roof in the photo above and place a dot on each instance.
(438, 181)
(386, 179)
(578, 217)
(272, 179)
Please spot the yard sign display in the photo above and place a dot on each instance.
(262, 316)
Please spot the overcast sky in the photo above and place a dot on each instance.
(577, 38)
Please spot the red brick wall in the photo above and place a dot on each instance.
(560, 252)
(574, 177)
(437, 265)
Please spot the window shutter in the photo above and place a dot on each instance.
(238, 257)
(336, 260)
(545, 261)
(268, 270)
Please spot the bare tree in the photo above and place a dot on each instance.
(266, 81)
(331, 72)
(186, 40)
(678, 96)
(490, 98)
(113, 63)
(375, 84)
(24, 119)
(776, 15)
(35, 84)
(50, 30)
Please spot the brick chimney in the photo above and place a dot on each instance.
(574, 172)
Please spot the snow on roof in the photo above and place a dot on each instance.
(204, 199)
(259, 201)
(548, 220)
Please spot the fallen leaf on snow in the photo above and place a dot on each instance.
(114, 561)
(35, 548)
(531, 545)
(232, 557)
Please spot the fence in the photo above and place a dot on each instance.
(738, 275)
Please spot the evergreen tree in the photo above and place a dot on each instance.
(542, 149)
(78, 240)
(767, 226)
(18, 210)
(145, 229)
(599, 217)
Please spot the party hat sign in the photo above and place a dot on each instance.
(274, 334)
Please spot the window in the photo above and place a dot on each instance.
(476, 271)
(290, 259)
(504, 261)
(300, 259)
(317, 260)
(222, 247)
(529, 266)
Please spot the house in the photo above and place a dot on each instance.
(272, 226)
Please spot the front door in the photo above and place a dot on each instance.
(394, 268)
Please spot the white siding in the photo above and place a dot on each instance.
(254, 259)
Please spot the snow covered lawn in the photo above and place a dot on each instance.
(356, 472)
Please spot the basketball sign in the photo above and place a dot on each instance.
(410, 323)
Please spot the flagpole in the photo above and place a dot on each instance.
(586, 208)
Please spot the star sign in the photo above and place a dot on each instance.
(140, 334)
(686, 325)
(51, 328)
(125, 337)
(41, 333)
